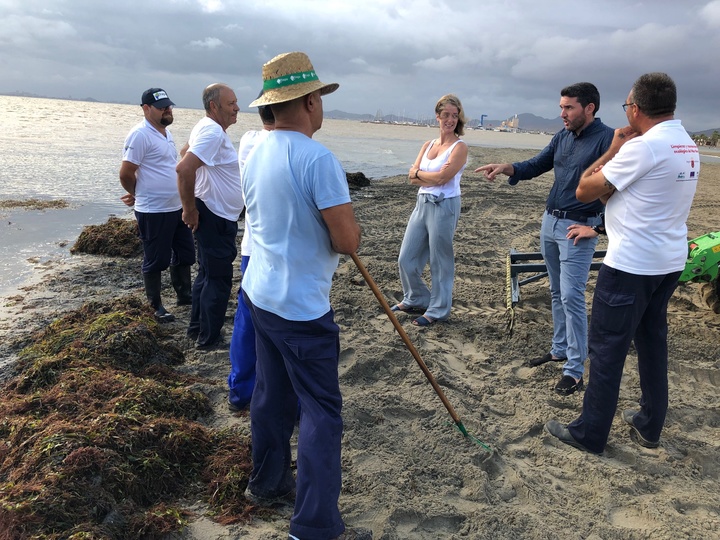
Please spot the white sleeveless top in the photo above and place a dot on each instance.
(449, 189)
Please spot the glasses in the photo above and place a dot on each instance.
(626, 105)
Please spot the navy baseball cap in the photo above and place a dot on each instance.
(157, 97)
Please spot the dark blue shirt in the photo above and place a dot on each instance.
(570, 155)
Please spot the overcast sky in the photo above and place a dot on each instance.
(501, 57)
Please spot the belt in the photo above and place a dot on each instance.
(435, 199)
(569, 214)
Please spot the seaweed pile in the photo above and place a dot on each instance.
(33, 204)
(101, 436)
(117, 237)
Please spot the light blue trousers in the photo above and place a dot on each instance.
(568, 266)
(429, 236)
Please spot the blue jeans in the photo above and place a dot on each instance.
(626, 308)
(241, 380)
(213, 284)
(297, 361)
(568, 266)
(429, 236)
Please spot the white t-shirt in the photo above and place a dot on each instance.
(248, 141)
(155, 155)
(217, 182)
(655, 175)
(288, 180)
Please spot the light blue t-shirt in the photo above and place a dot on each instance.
(287, 180)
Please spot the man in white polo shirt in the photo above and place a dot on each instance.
(147, 174)
(647, 178)
(208, 179)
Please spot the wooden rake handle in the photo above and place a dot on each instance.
(407, 341)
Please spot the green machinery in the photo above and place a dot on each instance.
(703, 259)
(702, 265)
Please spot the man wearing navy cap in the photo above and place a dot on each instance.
(148, 175)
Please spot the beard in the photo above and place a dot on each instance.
(576, 124)
(166, 119)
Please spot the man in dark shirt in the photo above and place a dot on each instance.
(571, 151)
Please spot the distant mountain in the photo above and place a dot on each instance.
(69, 98)
(526, 122)
(707, 132)
(342, 115)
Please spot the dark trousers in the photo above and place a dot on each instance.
(166, 241)
(241, 380)
(626, 307)
(211, 291)
(297, 361)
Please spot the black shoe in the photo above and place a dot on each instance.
(356, 533)
(560, 432)
(535, 362)
(635, 435)
(182, 283)
(278, 500)
(235, 409)
(162, 316)
(216, 345)
(568, 385)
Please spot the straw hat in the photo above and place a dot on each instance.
(289, 76)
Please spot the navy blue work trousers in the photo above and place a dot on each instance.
(297, 361)
(211, 291)
(166, 240)
(626, 308)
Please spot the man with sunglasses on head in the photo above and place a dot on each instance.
(148, 175)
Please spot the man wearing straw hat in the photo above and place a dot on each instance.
(300, 217)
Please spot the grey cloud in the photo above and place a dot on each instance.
(500, 56)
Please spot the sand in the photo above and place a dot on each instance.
(408, 473)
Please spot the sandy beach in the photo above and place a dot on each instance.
(408, 473)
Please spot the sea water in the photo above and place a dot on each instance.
(71, 150)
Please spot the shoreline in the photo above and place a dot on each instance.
(407, 473)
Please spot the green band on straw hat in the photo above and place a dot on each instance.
(289, 80)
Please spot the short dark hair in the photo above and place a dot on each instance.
(266, 114)
(584, 92)
(655, 94)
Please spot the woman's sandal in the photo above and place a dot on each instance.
(403, 309)
(422, 320)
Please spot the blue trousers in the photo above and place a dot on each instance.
(166, 240)
(626, 307)
(429, 236)
(298, 361)
(241, 380)
(568, 266)
(213, 284)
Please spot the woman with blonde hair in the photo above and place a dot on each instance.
(431, 228)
